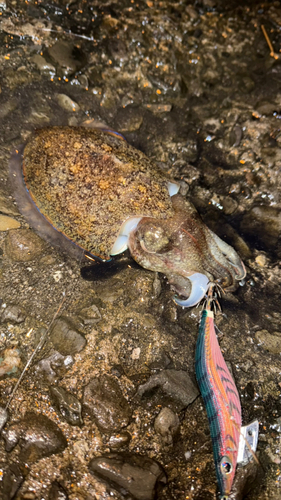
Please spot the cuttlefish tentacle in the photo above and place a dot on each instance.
(232, 257)
(223, 262)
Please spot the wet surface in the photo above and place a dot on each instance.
(193, 86)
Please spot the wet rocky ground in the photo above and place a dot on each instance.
(109, 407)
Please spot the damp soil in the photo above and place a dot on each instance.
(195, 86)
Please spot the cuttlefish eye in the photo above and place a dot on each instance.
(153, 238)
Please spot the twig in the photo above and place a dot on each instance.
(272, 53)
(39, 346)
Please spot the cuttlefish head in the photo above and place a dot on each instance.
(187, 252)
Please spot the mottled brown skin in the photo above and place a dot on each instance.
(87, 182)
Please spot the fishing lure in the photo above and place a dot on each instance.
(221, 399)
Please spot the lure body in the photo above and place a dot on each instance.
(222, 402)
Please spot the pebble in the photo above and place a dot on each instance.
(44, 67)
(23, 245)
(57, 492)
(117, 441)
(235, 136)
(263, 223)
(7, 223)
(68, 57)
(11, 481)
(138, 475)
(90, 315)
(9, 362)
(269, 342)
(159, 108)
(103, 399)
(68, 405)
(136, 353)
(37, 436)
(265, 108)
(167, 425)
(67, 103)
(229, 205)
(65, 337)
(13, 314)
(52, 365)
(176, 384)
(261, 260)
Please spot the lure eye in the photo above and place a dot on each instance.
(226, 466)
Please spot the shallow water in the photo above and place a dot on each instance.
(193, 85)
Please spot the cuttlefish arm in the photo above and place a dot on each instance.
(231, 256)
(200, 285)
(187, 252)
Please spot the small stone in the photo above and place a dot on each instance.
(9, 362)
(90, 315)
(261, 260)
(68, 57)
(177, 385)
(266, 108)
(167, 425)
(193, 14)
(229, 205)
(81, 447)
(138, 475)
(103, 399)
(57, 492)
(37, 436)
(268, 341)
(264, 223)
(83, 80)
(13, 314)
(47, 260)
(44, 67)
(68, 405)
(7, 223)
(159, 108)
(65, 338)
(135, 353)
(235, 136)
(50, 366)
(23, 245)
(67, 103)
(119, 440)
(11, 481)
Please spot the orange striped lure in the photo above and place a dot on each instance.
(221, 400)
